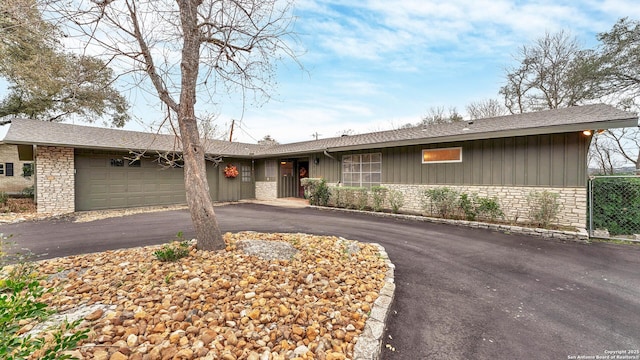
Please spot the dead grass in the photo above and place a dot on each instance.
(18, 205)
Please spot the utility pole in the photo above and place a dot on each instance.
(315, 135)
(233, 122)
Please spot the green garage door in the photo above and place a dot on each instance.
(108, 181)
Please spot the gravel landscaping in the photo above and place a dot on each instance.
(268, 296)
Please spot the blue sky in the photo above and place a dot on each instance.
(373, 65)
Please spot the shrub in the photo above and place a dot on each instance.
(20, 290)
(489, 208)
(316, 190)
(28, 192)
(174, 251)
(396, 200)
(468, 205)
(442, 201)
(543, 207)
(350, 197)
(378, 195)
(3, 198)
(362, 198)
(337, 196)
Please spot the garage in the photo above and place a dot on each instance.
(110, 181)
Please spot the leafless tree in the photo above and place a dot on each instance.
(626, 143)
(437, 115)
(549, 75)
(602, 156)
(485, 109)
(187, 50)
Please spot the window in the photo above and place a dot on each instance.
(27, 169)
(444, 155)
(270, 169)
(286, 168)
(1, 169)
(117, 162)
(363, 170)
(245, 172)
(8, 169)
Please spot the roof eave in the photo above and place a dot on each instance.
(557, 129)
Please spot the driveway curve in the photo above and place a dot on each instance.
(461, 293)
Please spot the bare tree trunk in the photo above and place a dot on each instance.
(195, 170)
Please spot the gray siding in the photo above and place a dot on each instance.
(558, 160)
(326, 168)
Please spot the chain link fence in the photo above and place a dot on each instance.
(614, 207)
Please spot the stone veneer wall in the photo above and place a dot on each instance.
(55, 179)
(513, 200)
(266, 190)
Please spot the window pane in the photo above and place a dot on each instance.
(270, 169)
(361, 170)
(442, 155)
(286, 168)
(246, 173)
(9, 169)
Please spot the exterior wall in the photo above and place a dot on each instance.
(513, 200)
(266, 190)
(55, 183)
(17, 182)
(557, 160)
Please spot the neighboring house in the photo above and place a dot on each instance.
(85, 168)
(15, 173)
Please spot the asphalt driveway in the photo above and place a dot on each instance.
(461, 293)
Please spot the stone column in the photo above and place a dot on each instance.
(55, 179)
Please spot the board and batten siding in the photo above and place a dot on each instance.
(557, 160)
(326, 168)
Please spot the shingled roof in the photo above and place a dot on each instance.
(577, 118)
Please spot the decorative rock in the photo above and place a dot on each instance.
(118, 356)
(310, 303)
(132, 340)
(100, 355)
(184, 354)
(175, 336)
(94, 315)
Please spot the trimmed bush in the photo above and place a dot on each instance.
(441, 201)
(378, 197)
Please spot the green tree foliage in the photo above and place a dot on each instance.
(44, 81)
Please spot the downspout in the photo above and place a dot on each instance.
(329, 155)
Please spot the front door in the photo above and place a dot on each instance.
(291, 171)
